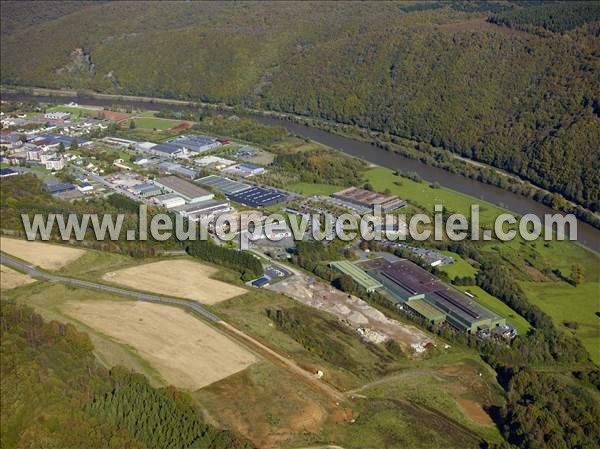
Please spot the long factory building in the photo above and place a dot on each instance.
(428, 297)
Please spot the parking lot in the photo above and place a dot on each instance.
(275, 272)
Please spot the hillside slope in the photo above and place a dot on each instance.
(435, 72)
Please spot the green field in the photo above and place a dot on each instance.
(565, 303)
(460, 267)
(307, 188)
(75, 111)
(152, 122)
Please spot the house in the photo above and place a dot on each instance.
(120, 164)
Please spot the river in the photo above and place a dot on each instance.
(587, 235)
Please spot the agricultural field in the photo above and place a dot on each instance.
(45, 255)
(10, 278)
(180, 278)
(185, 351)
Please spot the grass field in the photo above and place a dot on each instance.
(185, 351)
(45, 255)
(460, 267)
(181, 278)
(565, 303)
(307, 188)
(74, 111)
(10, 278)
(155, 123)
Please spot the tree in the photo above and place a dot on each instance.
(61, 147)
(368, 186)
(132, 124)
(74, 144)
(577, 274)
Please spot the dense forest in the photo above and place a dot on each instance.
(50, 382)
(511, 84)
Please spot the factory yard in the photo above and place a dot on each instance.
(180, 278)
(44, 255)
(369, 322)
(10, 278)
(186, 352)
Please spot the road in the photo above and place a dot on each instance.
(194, 307)
(104, 182)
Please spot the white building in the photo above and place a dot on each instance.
(169, 200)
(58, 115)
(55, 164)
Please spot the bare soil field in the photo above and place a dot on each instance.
(44, 255)
(186, 352)
(369, 322)
(10, 278)
(181, 278)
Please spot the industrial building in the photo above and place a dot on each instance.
(258, 197)
(217, 162)
(195, 211)
(188, 191)
(145, 190)
(421, 292)
(222, 184)
(197, 144)
(169, 200)
(367, 199)
(54, 189)
(244, 170)
(58, 115)
(177, 169)
(360, 277)
(169, 150)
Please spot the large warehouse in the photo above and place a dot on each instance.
(427, 296)
(188, 191)
(195, 211)
(359, 276)
(368, 199)
(258, 197)
(197, 144)
(222, 184)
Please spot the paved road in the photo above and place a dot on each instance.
(32, 271)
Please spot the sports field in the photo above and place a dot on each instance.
(155, 123)
(45, 255)
(10, 278)
(186, 352)
(181, 278)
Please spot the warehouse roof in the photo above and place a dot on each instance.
(427, 310)
(222, 184)
(182, 187)
(357, 274)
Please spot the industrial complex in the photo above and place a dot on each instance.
(367, 199)
(419, 292)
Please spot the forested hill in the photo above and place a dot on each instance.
(513, 84)
(53, 395)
